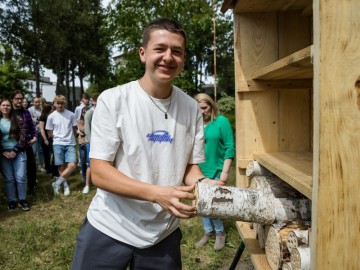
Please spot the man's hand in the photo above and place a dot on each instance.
(168, 197)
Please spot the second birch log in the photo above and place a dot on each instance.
(300, 258)
(275, 246)
(254, 168)
(297, 238)
(247, 205)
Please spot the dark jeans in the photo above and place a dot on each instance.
(31, 170)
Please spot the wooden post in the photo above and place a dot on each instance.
(247, 205)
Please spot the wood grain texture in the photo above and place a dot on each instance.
(337, 125)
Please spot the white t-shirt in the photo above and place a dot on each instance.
(62, 123)
(78, 110)
(130, 131)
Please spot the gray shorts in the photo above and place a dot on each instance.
(95, 250)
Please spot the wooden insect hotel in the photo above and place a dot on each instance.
(297, 92)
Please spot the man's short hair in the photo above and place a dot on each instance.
(59, 99)
(85, 95)
(162, 24)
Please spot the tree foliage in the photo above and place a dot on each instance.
(66, 36)
(11, 76)
(127, 20)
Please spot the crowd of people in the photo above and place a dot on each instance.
(41, 138)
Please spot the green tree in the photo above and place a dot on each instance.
(11, 76)
(127, 21)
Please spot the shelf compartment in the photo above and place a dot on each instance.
(257, 254)
(295, 168)
(295, 66)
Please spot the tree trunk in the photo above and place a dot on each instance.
(247, 205)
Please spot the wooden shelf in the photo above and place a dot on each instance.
(274, 5)
(295, 66)
(292, 167)
(257, 254)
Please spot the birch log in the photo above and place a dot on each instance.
(300, 258)
(275, 245)
(247, 205)
(287, 266)
(254, 168)
(261, 233)
(297, 238)
(275, 185)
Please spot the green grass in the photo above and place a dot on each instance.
(45, 237)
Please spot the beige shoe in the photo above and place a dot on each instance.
(203, 241)
(220, 241)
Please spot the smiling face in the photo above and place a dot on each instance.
(5, 108)
(163, 56)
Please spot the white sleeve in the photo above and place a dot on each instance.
(105, 137)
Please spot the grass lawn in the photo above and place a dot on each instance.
(44, 237)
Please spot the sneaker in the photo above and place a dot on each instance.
(66, 191)
(24, 205)
(12, 206)
(56, 188)
(86, 189)
(203, 241)
(220, 241)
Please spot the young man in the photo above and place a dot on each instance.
(61, 126)
(146, 141)
(85, 101)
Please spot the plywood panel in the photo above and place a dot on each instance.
(294, 120)
(337, 120)
(256, 34)
(257, 131)
(294, 32)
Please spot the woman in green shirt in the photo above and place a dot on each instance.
(219, 152)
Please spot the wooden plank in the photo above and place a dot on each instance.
(293, 168)
(242, 6)
(257, 254)
(295, 66)
(295, 32)
(337, 125)
(294, 121)
(257, 128)
(268, 85)
(256, 34)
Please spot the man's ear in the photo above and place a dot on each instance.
(142, 54)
